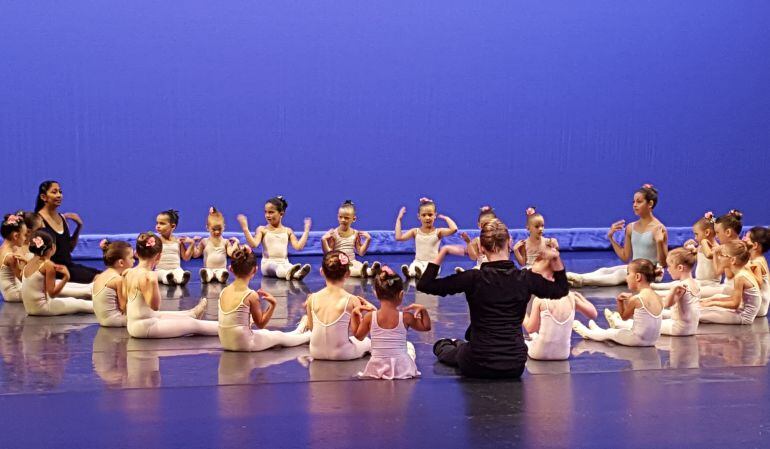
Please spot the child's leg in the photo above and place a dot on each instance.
(196, 312)
(170, 326)
(355, 268)
(594, 332)
(663, 286)
(75, 290)
(221, 275)
(12, 292)
(164, 278)
(114, 320)
(206, 275)
(360, 347)
(264, 339)
(303, 271)
(180, 276)
(719, 315)
(605, 277)
(68, 306)
(268, 268)
(374, 270)
(709, 290)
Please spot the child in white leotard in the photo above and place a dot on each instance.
(275, 239)
(329, 314)
(758, 239)
(727, 228)
(645, 306)
(239, 305)
(39, 288)
(528, 250)
(349, 241)
(169, 269)
(392, 356)
(704, 243)
(549, 324)
(215, 249)
(645, 238)
(742, 304)
(108, 299)
(12, 261)
(140, 287)
(427, 238)
(472, 248)
(682, 302)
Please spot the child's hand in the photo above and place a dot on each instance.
(266, 296)
(416, 309)
(679, 291)
(365, 305)
(62, 270)
(617, 226)
(625, 296)
(243, 221)
(660, 234)
(466, 238)
(74, 217)
(517, 246)
(364, 236)
(308, 222)
(401, 212)
(328, 236)
(552, 243)
(234, 241)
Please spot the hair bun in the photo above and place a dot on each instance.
(736, 213)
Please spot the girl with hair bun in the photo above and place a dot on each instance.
(109, 301)
(239, 307)
(215, 249)
(275, 239)
(39, 288)
(758, 239)
(742, 303)
(350, 241)
(174, 250)
(427, 237)
(12, 260)
(140, 287)
(472, 249)
(645, 238)
(528, 250)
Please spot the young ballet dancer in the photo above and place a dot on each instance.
(758, 239)
(528, 250)
(645, 306)
(239, 305)
(472, 249)
(350, 241)
(549, 324)
(140, 287)
(703, 243)
(275, 239)
(109, 301)
(215, 249)
(39, 288)
(427, 237)
(12, 261)
(329, 312)
(392, 356)
(169, 269)
(645, 238)
(682, 302)
(741, 304)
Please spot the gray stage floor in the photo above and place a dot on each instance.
(64, 381)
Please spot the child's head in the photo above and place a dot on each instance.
(486, 213)
(426, 212)
(215, 222)
(42, 244)
(346, 215)
(704, 228)
(336, 266)
(243, 262)
(640, 273)
(645, 200)
(388, 286)
(681, 261)
(48, 192)
(738, 252)
(729, 226)
(13, 229)
(148, 246)
(275, 208)
(33, 220)
(166, 222)
(758, 239)
(535, 222)
(494, 236)
(117, 254)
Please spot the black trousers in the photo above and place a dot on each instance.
(81, 273)
(457, 353)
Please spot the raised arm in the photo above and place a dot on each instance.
(260, 317)
(661, 244)
(408, 235)
(78, 225)
(621, 251)
(532, 321)
(363, 239)
(252, 240)
(187, 251)
(418, 319)
(626, 305)
(327, 241)
(299, 244)
(150, 290)
(359, 323)
(520, 252)
(445, 232)
(231, 245)
(199, 247)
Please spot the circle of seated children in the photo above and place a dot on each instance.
(337, 324)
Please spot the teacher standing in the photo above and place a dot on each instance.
(497, 296)
(49, 199)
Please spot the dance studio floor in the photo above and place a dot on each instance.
(66, 382)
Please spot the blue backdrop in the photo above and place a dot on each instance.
(567, 105)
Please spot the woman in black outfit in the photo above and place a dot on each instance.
(49, 198)
(497, 296)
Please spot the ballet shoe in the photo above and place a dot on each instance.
(185, 278)
(459, 270)
(580, 329)
(303, 271)
(225, 277)
(405, 270)
(417, 273)
(376, 268)
(200, 309)
(574, 280)
(365, 269)
(204, 276)
(293, 271)
(608, 315)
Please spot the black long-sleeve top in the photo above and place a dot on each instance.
(497, 296)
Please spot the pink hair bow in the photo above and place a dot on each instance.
(424, 200)
(344, 259)
(389, 271)
(530, 211)
(647, 186)
(150, 242)
(38, 241)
